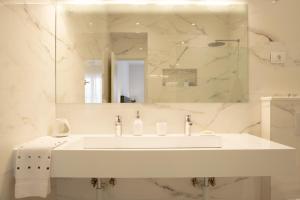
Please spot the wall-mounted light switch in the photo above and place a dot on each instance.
(278, 57)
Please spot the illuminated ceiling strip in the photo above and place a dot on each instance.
(155, 2)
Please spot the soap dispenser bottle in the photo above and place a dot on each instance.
(118, 125)
(138, 125)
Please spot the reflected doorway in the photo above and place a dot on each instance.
(129, 82)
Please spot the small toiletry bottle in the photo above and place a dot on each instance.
(118, 125)
(138, 125)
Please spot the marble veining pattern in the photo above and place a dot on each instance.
(265, 79)
(157, 189)
(283, 129)
(27, 80)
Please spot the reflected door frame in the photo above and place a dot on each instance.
(114, 59)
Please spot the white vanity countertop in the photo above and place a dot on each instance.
(240, 155)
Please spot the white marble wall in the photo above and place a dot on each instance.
(26, 79)
(158, 189)
(26, 60)
(272, 27)
(283, 127)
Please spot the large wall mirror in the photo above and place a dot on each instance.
(112, 53)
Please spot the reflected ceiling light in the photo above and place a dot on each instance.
(130, 2)
(218, 2)
(137, 23)
(83, 1)
(174, 2)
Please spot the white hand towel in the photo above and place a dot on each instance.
(32, 170)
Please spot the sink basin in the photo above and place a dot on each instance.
(152, 142)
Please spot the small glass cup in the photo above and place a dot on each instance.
(161, 128)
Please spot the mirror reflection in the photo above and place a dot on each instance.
(151, 53)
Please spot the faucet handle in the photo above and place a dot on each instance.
(188, 118)
(118, 119)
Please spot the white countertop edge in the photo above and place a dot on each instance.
(280, 98)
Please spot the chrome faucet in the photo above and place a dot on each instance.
(118, 125)
(188, 125)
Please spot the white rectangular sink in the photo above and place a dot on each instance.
(152, 142)
(218, 155)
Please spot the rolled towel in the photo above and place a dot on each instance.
(32, 169)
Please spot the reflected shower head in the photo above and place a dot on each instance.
(219, 43)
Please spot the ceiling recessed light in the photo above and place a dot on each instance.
(137, 23)
(217, 2)
(193, 24)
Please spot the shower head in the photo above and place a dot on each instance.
(219, 43)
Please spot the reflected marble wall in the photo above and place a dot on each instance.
(177, 38)
(126, 45)
(26, 79)
(82, 36)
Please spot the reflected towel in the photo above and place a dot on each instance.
(32, 170)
